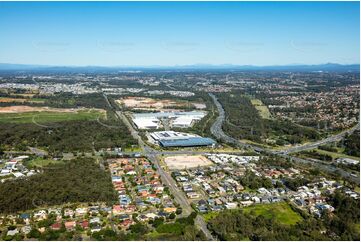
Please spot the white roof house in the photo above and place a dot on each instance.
(5, 171)
(18, 174)
(231, 205)
(12, 232)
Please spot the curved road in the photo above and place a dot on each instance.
(217, 131)
(330, 139)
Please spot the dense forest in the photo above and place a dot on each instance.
(65, 136)
(244, 122)
(79, 180)
(62, 100)
(69, 100)
(343, 224)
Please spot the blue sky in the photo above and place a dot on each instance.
(179, 33)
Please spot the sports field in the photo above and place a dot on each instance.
(49, 116)
(282, 212)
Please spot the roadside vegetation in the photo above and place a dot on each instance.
(352, 144)
(244, 121)
(203, 127)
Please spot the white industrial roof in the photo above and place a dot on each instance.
(183, 121)
(146, 123)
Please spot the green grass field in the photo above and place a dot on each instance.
(335, 155)
(282, 212)
(22, 100)
(262, 109)
(39, 162)
(41, 100)
(210, 215)
(47, 117)
(256, 102)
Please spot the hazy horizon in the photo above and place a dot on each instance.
(196, 64)
(131, 34)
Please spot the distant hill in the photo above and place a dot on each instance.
(329, 67)
(307, 68)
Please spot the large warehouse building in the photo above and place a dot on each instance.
(176, 119)
(178, 139)
(146, 123)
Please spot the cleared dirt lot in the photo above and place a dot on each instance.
(186, 161)
(157, 104)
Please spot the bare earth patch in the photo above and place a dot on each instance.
(150, 103)
(184, 161)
